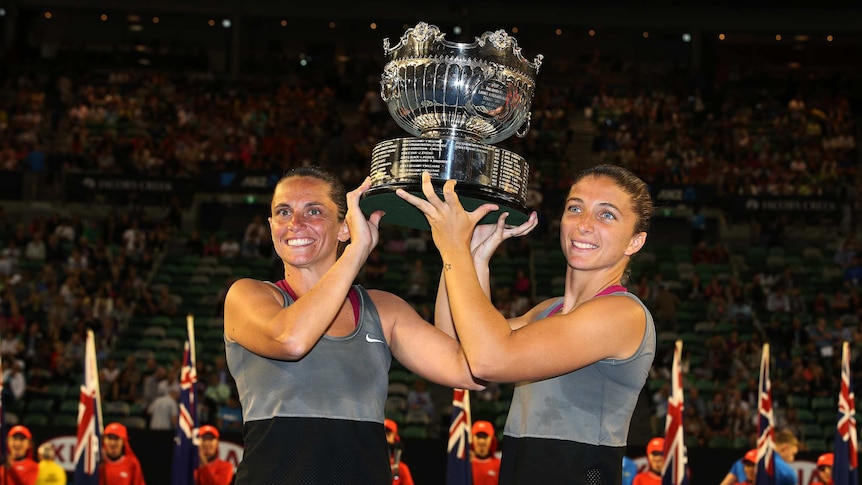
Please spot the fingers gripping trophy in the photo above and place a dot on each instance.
(455, 99)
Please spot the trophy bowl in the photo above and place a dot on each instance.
(455, 99)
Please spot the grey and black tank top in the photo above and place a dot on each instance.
(318, 420)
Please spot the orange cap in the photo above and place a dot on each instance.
(750, 455)
(483, 427)
(20, 430)
(655, 445)
(207, 429)
(826, 459)
(117, 429)
(392, 426)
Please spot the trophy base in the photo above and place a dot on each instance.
(485, 174)
(402, 213)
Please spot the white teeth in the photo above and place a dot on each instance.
(299, 242)
(583, 245)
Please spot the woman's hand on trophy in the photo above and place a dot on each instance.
(363, 232)
(451, 225)
(488, 237)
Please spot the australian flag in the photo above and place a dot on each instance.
(674, 469)
(846, 464)
(186, 439)
(88, 442)
(765, 474)
(458, 468)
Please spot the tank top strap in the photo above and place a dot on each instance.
(286, 287)
(607, 291)
(352, 295)
(611, 289)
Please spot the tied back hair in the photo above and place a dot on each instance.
(337, 192)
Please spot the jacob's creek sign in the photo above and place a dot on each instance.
(138, 185)
(798, 205)
(64, 446)
(107, 188)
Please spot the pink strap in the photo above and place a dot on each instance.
(353, 295)
(606, 291)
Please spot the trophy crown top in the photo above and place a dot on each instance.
(426, 39)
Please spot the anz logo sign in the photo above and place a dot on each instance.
(236, 180)
(677, 194)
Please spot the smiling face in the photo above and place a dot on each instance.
(305, 222)
(598, 224)
(18, 446)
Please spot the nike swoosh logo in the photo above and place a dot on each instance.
(372, 340)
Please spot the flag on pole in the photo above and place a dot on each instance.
(846, 464)
(765, 474)
(675, 455)
(458, 468)
(90, 425)
(186, 441)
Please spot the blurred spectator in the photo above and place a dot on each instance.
(164, 409)
(665, 308)
(483, 460)
(212, 246)
(120, 464)
(108, 374)
(778, 301)
(50, 472)
(212, 470)
(14, 380)
(655, 462)
(230, 247)
(229, 415)
(375, 269)
(195, 243)
(853, 273)
(401, 474)
(420, 405)
(417, 281)
(127, 386)
(416, 241)
(20, 468)
(256, 239)
(823, 472)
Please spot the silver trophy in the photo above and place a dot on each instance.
(455, 99)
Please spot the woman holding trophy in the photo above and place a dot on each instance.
(310, 353)
(580, 360)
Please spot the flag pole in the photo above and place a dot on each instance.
(190, 325)
(91, 347)
(675, 454)
(458, 467)
(186, 440)
(845, 470)
(765, 471)
(88, 444)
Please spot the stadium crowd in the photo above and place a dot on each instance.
(62, 272)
